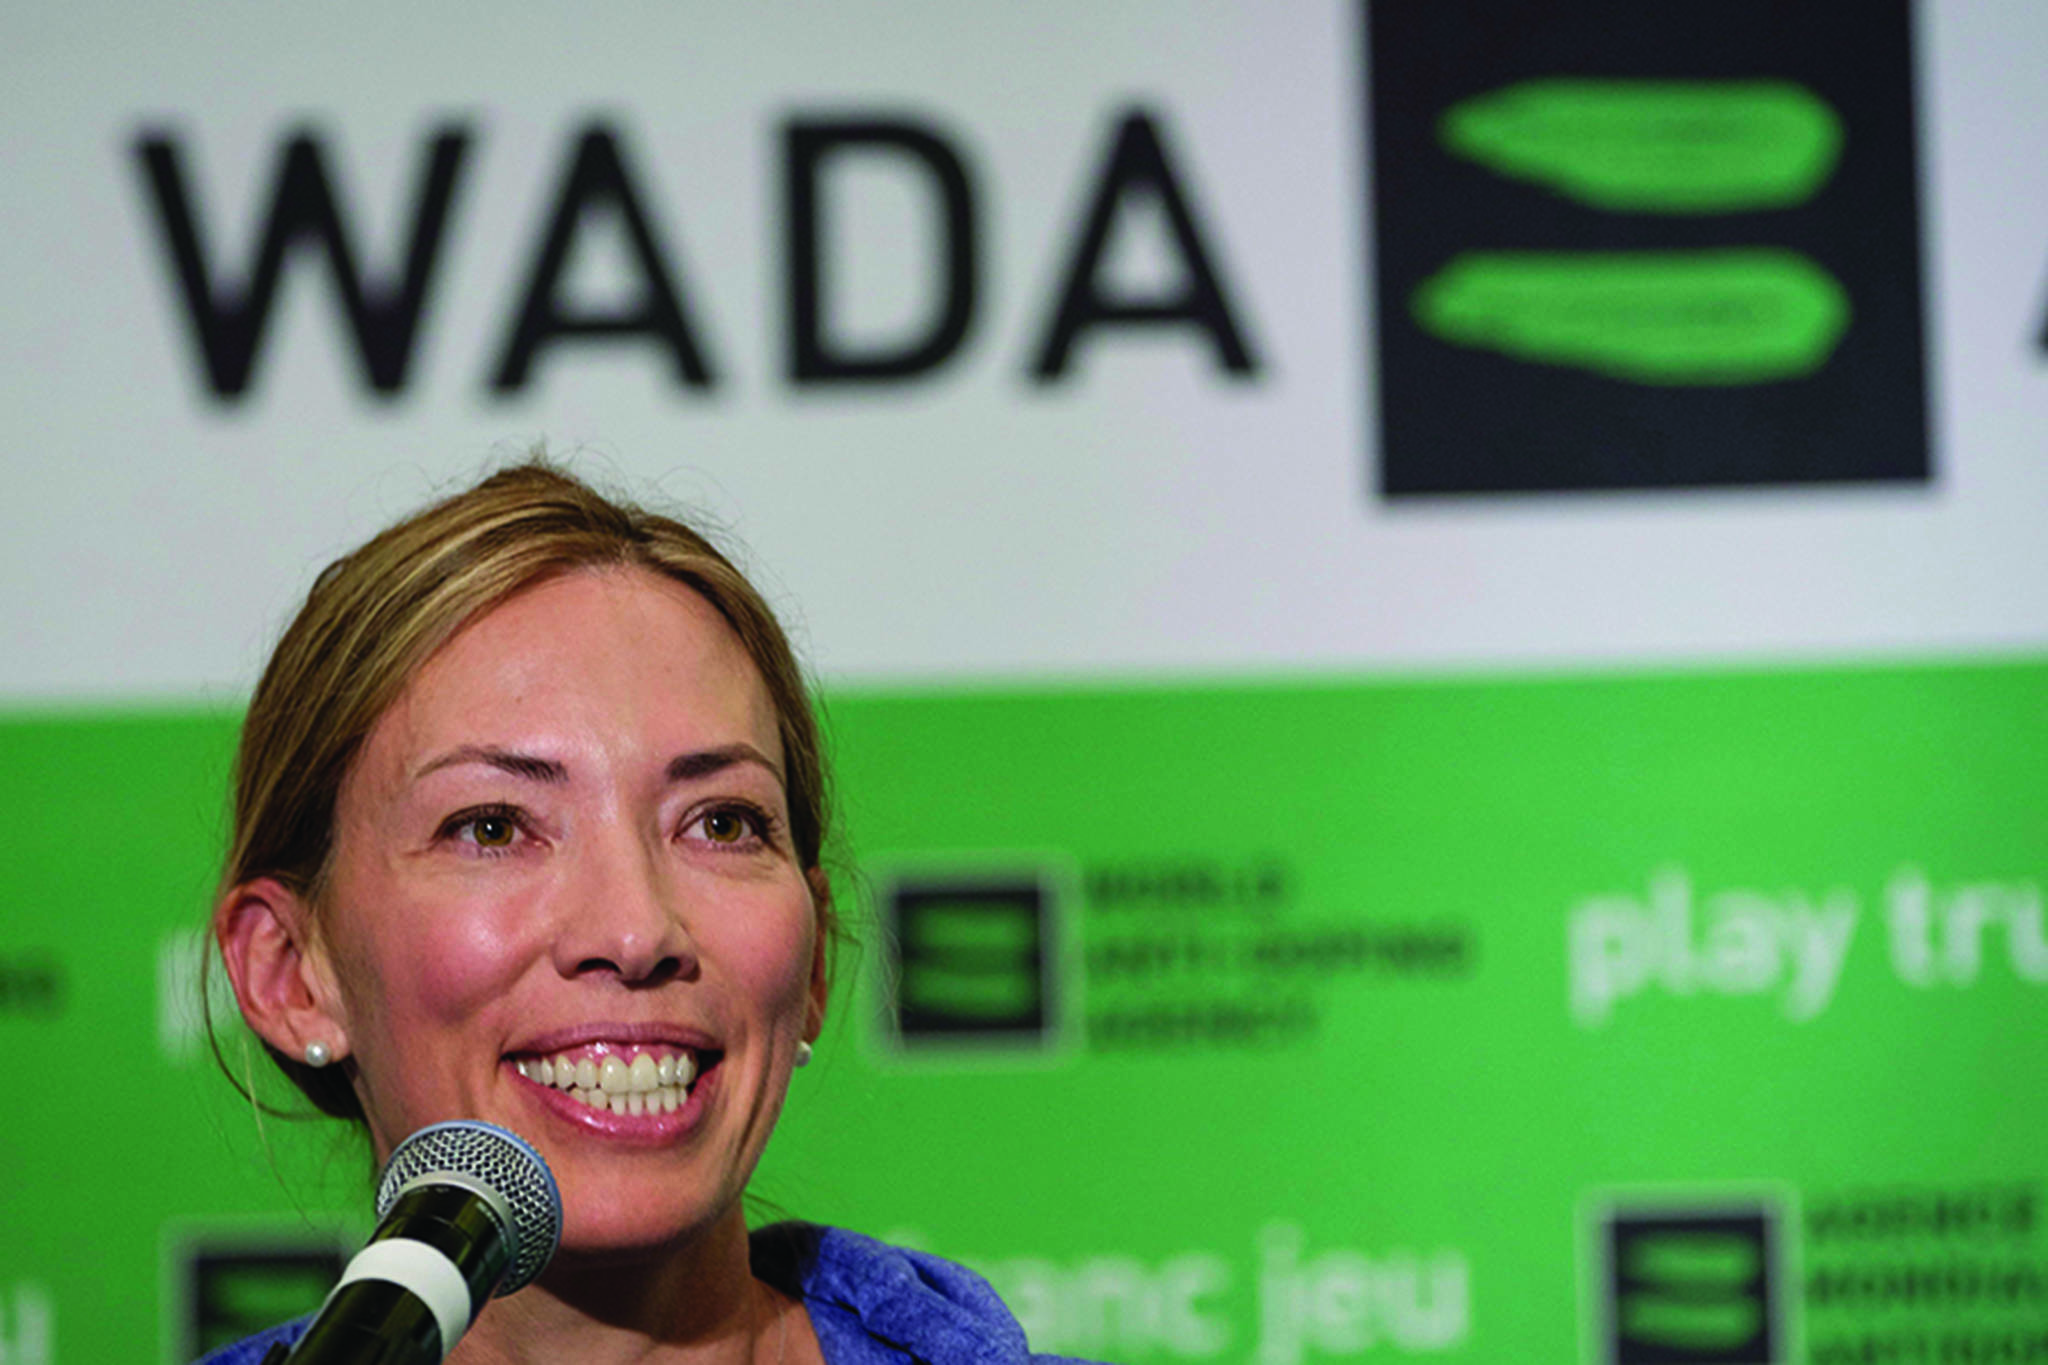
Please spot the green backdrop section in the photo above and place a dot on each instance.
(1493, 1019)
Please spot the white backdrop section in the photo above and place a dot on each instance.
(1148, 515)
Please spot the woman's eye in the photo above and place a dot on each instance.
(727, 826)
(741, 827)
(489, 831)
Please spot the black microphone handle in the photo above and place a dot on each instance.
(371, 1322)
(379, 1322)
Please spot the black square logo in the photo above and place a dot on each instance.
(1692, 1287)
(971, 961)
(235, 1288)
(1622, 245)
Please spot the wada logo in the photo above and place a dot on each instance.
(1637, 246)
(971, 959)
(1694, 1285)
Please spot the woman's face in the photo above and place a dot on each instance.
(563, 881)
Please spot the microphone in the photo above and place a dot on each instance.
(465, 1210)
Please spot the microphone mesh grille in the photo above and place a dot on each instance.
(498, 1159)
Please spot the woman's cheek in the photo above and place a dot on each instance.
(772, 944)
(471, 951)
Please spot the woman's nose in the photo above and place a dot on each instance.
(624, 919)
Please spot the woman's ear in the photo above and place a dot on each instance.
(821, 981)
(280, 973)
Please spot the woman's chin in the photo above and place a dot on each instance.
(619, 1226)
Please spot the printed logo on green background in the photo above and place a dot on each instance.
(231, 1288)
(971, 959)
(31, 983)
(1691, 1285)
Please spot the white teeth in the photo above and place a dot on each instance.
(664, 1099)
(646, 1085)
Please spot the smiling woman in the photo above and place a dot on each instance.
(528, 818)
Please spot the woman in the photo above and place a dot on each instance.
(528, 817)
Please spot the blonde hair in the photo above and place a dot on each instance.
(374, 616)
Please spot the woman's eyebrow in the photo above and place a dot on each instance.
(704, 762)
(529, 766)
(682, 768)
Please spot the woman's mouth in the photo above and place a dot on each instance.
(621, 1078)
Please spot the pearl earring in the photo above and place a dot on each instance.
(803, 1054)
(317, 1055)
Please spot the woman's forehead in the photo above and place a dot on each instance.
(609, 665)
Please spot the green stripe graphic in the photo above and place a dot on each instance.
(1675, 147)
(1703, 1259)
(1747, 315)
(1693, 1324)
(983, 994)
(969, 926)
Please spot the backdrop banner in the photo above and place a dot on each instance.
(1678, 1013)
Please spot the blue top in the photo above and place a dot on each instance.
(870, 1304)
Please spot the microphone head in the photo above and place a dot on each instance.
(497, 1165)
